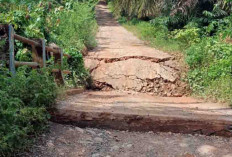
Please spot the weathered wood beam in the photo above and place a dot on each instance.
(34, 43)
(30, 64)
(66, 72)
(63, 71)
(25, 40)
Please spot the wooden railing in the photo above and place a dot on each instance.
(40, 54)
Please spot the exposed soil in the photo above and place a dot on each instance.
(123, 62)
(142, 112)
(70, 141)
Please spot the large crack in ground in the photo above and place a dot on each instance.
(156, 86)
(120, 76)
(118, 63)
(111, 60)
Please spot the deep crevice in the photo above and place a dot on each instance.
(112, 60)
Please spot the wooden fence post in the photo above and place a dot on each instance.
(11, 50)
(44, 52)
(61, 57)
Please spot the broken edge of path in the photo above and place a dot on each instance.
(110, 110)
(123, 62)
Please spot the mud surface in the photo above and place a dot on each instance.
(70, 141)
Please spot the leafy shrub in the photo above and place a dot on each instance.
(24, 55)
(24, 99)
(76, 31)
(187, 36)
(77, 27)
(70, 24)
(79, 74)
(210, 65)
(122, 20)
(2, 43)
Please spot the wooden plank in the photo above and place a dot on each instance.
(50, 49)
(67, 55)
(25, 40)
(11, 49)
(64, 71)
(36, 44)
(30, 64)
(61, 57)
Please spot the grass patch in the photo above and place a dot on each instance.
(156, 38)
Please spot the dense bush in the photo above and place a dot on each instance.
(70, 24)
(75, 32)
(210, 68)
(181, 11)
(77, 27)
(24, 99)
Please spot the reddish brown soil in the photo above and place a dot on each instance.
(143, 112)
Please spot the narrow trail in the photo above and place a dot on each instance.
(123, 62)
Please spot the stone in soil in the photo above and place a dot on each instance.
(133, 144)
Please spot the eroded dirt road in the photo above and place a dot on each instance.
(71, 141)
(123, 62)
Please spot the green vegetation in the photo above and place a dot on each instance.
(198, 29)
(70, 24)
(26, 97)
(158, 36)
(23, 113)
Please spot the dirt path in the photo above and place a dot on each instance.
(143, 112)
(70, 141)
(123, 62)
